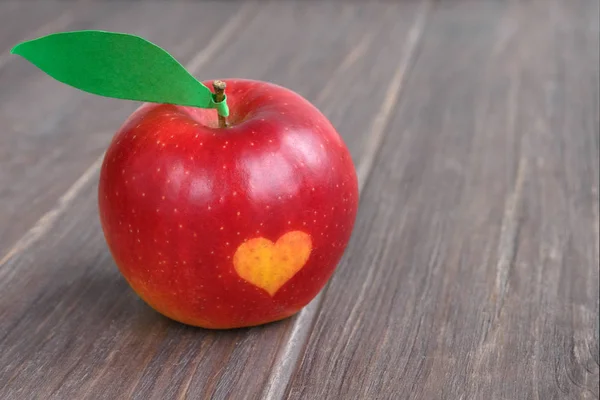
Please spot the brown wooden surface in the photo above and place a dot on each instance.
(473, 269)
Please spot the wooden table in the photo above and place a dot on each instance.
(472, 272)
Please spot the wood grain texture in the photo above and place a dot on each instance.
(473, 271)
(65, 309)
(21, 22)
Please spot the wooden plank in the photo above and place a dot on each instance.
(45, 148)
(65, 308)
(473, 271)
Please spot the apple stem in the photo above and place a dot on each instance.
(219, 87)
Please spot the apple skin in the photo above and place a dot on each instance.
(178, 195)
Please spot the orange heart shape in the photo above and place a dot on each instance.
(269, 265)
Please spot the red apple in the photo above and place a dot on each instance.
(228, 227)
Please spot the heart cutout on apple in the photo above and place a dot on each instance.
(269, 265)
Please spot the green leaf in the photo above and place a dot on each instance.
(117, 65)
